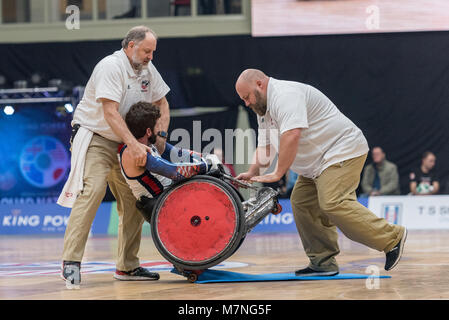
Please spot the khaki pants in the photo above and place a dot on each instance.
(321, 205)
(102, 168)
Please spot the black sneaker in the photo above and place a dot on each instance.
(71, 274)
(138, 274)
(307, 272)
(394, 255)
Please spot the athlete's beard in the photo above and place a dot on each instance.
(260, 107)
(152, 139)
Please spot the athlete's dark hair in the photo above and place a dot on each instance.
(142, 115)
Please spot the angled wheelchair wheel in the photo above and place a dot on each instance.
(198, 223)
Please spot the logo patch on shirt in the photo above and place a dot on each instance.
(144, 85)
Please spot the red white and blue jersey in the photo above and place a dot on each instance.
(161, 172)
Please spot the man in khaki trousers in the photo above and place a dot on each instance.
(118, 81)
(314, 139)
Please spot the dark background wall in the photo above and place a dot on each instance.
(394, 86)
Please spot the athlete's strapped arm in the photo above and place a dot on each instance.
(174, 154)
(183, 170)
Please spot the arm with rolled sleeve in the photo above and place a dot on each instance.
(108, 90)
(289, 110)
(108, 81)
(291, 113)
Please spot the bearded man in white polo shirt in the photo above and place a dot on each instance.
(117, 82)
(328, 151)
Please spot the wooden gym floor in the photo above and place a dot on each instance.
(300, 17)
(423, 272)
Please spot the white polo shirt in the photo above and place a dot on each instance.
(114, 78)
(327, 136)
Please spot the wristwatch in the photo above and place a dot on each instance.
(162, 134)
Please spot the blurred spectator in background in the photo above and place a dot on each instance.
(229, 168)
(424, 180)
(380, 177)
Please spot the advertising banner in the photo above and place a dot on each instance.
(46, 219)
(35, 156)
(413, 212)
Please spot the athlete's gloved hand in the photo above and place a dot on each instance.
(212, 162)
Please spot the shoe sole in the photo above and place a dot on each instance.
(131, 278)
(401, 250)
(318, 274)
(71, 286)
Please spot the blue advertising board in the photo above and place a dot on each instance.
(50, 218)
(282, 222)
(46, 219)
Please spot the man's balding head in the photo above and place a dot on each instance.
(251, 86)
(251, 75)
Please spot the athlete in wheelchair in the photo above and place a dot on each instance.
(198, 216)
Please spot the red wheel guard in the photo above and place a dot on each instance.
(197, 222)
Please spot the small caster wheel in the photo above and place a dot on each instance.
(277, 210)
(192, 277)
